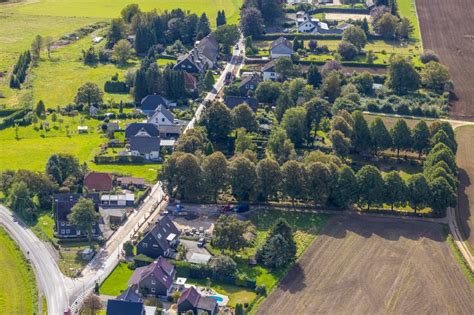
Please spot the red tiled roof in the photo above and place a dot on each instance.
(95, 181)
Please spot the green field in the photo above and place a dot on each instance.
(34, 148)
(407, 9)
(18, 293)
(117, 280)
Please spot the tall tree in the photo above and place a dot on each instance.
(84, 216)
(435, 76)
(227, 35)
(279, 147)
(218, 121)
(356, 36)
(20, 200)
(244, 117)
(36, 47)
(293, 180)
(418, 192)
(294, 123)
(221, 19)
(313, 76)
(345, 191)
(117, 31)
(371, 186)
(229, 233)
(316, 109)
(189, 177)
(442, 196)
(243, 178)
(123, 50)
(395, 190)
(251, 22)
(331, 87)
(318, 182)
(402, 76)
(361, 139)
(421, 137)
(89, 93)
(283, 102)
(269, 178)
(203, 27)
(214, 172)
(380, 136)
(401, 136)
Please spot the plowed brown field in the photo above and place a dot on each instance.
(447, 28)
(361, 265)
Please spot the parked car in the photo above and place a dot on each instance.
(201, 242)
(226, 208)
(228, 78)
(242, 207)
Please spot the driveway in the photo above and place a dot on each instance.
(195, 253)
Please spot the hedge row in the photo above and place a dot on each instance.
(7, 111)
(15, 118)
(116, 87)
(188, 270)
(256, 61)
(118, 159)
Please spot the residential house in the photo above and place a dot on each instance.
(248, 84)
(62, 207)
(93, 111)
(281, 47)
(141, 129)
(160, 240)
(268, 71)
(201, 58)
(191, 300)
(167, 125)
(234, 101)
(129, 302)
(96, 181)
(127, 182)
(123, 200)
(156, 279)
(370, 4)
(151, 102)
(145, 146)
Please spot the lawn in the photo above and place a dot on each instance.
(111, 8)
(71, 257)
(117, 281)
(407, 8)
(35, 146)
(18, 293)
(44, 227)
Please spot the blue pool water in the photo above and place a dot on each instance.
(217, 298)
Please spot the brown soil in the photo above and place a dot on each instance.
(465, 161)
(446, 28)
(374, 266)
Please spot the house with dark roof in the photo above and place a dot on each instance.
(161, 240)
(151, 102)
(281, 47)
(119, 307)
(156, 279)
(249, 83)
(190, 82)
(62, 207)
(127, 182)
(95, 181)
(191, 300)
(268, 71)
(234, 101)
(141, 129)
(201, 58)
(145, 146)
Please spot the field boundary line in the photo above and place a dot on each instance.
(453, 226)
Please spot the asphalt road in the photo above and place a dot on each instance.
(50, 279)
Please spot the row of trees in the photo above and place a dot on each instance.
(20, 70)
(321, 178)
(255, 14)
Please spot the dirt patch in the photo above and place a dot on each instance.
(446, 28)
(374, 266)
(465, 161)
(346, 16)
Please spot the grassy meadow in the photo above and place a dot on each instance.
(34, 146)
(18, 293)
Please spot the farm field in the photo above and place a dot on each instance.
(371, 266)
(465, 210)
(453, 43)
(18, 294)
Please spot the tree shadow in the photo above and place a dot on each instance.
(294, 280)
(463, 210)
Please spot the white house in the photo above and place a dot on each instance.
(268, 71)
(162, 117)
(145, 146)
(308, 26)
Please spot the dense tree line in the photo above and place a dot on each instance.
(151, 79)
(152, 28)
(20, 70)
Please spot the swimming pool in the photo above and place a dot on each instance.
(218, 298)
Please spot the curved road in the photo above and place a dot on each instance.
(50, 279)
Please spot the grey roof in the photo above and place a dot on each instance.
(251, 78)
(234, 101)
(118, 307)
(151, 102)
(133, 128)
(209, 47)
(170, 129)
(269, 66)
(281, 41)
(190, 295)
(161, 269)
(63, 203)
(169, 115)
(162, 229)
(144, 144)
(207, 303)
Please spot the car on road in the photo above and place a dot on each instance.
(228, 78)
(226, 208)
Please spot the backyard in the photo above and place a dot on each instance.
(18, 293)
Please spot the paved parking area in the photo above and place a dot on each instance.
(196, 254)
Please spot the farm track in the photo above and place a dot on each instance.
(446, 28)
(361, 265)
